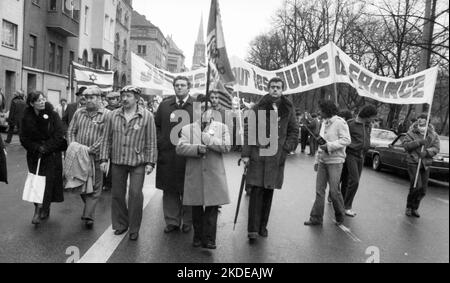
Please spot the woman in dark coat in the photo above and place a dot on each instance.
(42, 135)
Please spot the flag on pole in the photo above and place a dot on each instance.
(225, 96)
(217, 53)
(85, 76)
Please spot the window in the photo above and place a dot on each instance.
(86, 16)
(117, 46)
(52, 6)
(9, 35)
(85, 58)
(127, 19)
(71, 59)
(142, 49)
(105, 27)
(51, 57)
(125, 51)
(72, 8)
(119, 13)
(33, 46)
(59, 59)
(111, 30)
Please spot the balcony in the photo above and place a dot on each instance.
(62, 24)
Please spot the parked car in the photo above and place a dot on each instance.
(379, 138)
(394, 157)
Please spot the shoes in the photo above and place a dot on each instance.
(7, 141)
(170, 228)
(120, 232)
(186, 228)
(312, 223)
(134, 236)
(36, 219)
(197, 243)
(350, 213)
(408, 212)
(252, 235)
(44, 214)
(210, 246)
(263, 232)
(339, 222)
(89, 223)
(415, 213)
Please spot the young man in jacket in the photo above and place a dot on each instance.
(329, 162)
(266, 160)
(420, 148)
(360, 130)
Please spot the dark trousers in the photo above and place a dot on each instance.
(259, 209)
(416, 195)
(313, 146)
(351, 174)
(205, 223)
(304, 135)
(124, 217)
(107, 178)
(175, 213)
(12, 125)
(91, 200)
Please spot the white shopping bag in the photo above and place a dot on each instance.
(34, 188)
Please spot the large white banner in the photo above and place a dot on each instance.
(324, 67)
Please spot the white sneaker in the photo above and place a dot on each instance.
(350, 213)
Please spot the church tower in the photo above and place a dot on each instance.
(199, 59)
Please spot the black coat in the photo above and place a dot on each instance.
(68, 115)
(3, 168)
(171, 167)
(268, 171)
(43, 136)
(16, 110)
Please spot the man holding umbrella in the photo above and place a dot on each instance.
(266, 173)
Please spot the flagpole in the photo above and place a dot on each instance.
(208, 81)
(241, 132)
(423, 146)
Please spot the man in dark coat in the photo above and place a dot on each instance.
(73, 107)
(3, 168)
(266, 171)
(170, 169)
(15, 114)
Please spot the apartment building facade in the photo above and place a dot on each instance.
(51, 30)
(121, 59)
(11, 47)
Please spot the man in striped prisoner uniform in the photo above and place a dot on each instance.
(129, 142)
(87, 128)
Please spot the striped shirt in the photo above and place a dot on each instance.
(87, 129)
(130, 143)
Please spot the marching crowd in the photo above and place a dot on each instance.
(94, 144)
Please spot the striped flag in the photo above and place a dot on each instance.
(217, 53)
(85, 76)
(225, 97)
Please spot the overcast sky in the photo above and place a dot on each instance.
(242, 21)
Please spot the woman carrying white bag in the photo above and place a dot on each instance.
(42, 136)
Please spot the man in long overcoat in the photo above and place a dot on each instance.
(171, 167)
(266, 173)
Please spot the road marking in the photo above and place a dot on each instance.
(348, 232)
(105, 246)
(442, 200)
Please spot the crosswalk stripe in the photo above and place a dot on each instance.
(104, 247)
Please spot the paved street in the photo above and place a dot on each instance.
(379, 226)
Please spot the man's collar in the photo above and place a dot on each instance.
(139, 111)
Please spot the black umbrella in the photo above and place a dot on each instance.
(241, 190)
